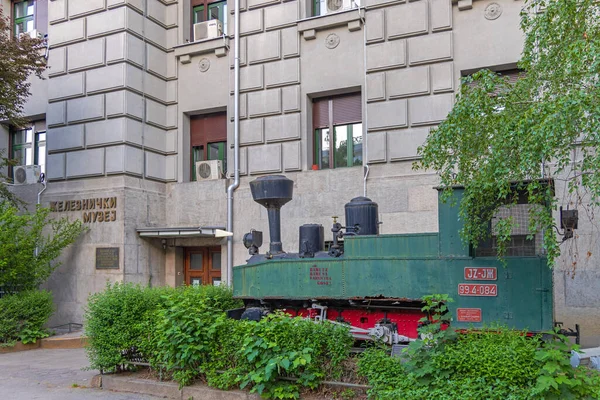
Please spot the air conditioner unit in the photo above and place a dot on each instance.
(209, 170)
(339, 5)
(208, 30)
(34, 34)
(26, 174)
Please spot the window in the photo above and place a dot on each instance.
(522, 242)
(208, 139)
(202, 10)
(323, 7)
(29, 147)
(24, 18)
(338, 135)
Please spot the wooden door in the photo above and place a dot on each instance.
(203, 266)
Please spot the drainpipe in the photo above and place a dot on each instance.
(364, 97)
(236, 137)
(39, 197)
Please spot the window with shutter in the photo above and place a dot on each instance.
(338, 135)
(208, 139)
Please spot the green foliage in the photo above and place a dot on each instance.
(491, 363)
(500, 132)
(188, 326)
(23, 316)
(29, 245)
(116, 320)
(282, 346)
(185, 332)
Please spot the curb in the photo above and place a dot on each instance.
(48, 343)
(169, 390)
(64, 343)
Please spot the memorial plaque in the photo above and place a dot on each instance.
(107, 258)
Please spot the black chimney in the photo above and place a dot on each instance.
(272, 192)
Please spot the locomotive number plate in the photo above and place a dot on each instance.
(481, 274)
(474, 289)
(468, 314)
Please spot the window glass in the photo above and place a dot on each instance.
(24, 9)
(196, 261)
(340, 144)
(323, 7)
(357, 139)
(208, 11)
(40, 155)
(216, 260)
(208, 139)
(340, 156)
(24, 17)
(324, 151)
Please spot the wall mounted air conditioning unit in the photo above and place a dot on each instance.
(339, 5)
(34, 34)
(209, 170)
(26, 174)
(208, 30)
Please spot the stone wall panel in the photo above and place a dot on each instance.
(407, 82)
(282, 128)
(264, 159)
(430, 109)
(386, 55)
(389, 114)
(407, 20)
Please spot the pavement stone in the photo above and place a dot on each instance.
(50, 374)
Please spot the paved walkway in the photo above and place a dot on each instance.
(51, 375)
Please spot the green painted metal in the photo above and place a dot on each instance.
(409, 267)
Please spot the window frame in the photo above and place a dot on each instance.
(204, 6)
(206, 130)
(29, 17)
(36, 145)
(333, 123)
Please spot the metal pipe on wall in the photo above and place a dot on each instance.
(236, 136)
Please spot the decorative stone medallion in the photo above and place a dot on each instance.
(204, 65)
(332, 40)
(493, 11)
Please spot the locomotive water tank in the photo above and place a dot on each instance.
(362, 216)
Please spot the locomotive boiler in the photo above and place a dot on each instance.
(375, 282)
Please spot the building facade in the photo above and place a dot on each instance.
(139, 95)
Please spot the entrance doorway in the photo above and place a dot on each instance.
(203, 266)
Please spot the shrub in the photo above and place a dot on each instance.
(23, 316)
(116, 321)
(279, 346)
(493, 363)
(188, 325)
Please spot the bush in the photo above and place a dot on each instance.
(23, 316)
(493, 363)
(187, 326)
(116, 321)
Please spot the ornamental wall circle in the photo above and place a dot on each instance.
(493, 11)
(204, 64)
(332, 40)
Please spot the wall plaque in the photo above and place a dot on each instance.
(107, 258)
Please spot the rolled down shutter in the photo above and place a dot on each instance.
(346, 109)
(208, 129)
(321, 113)
(512, 74)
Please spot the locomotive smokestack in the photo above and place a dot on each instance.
(272, 192)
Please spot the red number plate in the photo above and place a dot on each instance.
(474, 289)
(480, 274)
(468, 314)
